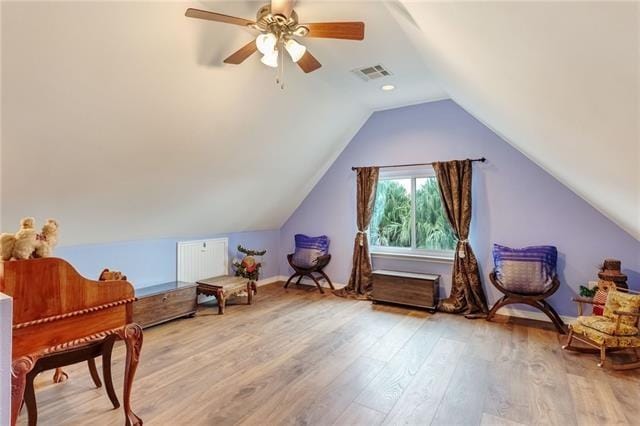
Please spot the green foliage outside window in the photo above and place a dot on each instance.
(391, 221)
(391, 224)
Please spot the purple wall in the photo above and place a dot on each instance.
(516, 203)
(151, 262)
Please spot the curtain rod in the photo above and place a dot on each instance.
(482, 160)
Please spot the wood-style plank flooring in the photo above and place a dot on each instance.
(298, 357)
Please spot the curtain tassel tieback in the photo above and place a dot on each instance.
(462, 243)
(360, 235)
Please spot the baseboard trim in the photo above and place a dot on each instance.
(270, 280)
(532, 315)
(507, 310)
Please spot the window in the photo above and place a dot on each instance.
(408, 217)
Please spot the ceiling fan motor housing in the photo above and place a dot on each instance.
(278, 24)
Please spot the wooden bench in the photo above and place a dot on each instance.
(226, 286)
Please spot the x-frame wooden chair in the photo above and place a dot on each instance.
(299, 272)
(535, 300)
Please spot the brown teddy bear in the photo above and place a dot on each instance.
(107, 275)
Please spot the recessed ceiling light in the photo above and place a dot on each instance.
(388, 87)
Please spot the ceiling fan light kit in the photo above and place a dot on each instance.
(270, 59)
(278, 25)
(266, 43)
(295, 49)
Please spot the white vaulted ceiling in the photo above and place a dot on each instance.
(558, 80)
(120, 119)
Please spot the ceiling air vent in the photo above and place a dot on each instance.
(371, 73)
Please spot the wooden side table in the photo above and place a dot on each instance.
(226, 286)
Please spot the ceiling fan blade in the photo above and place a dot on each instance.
(241, 54)
(342, 30)
(308, 62)
(218, 17)
(282, 7)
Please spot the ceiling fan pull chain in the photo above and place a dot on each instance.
(281, 68)
(279, 60)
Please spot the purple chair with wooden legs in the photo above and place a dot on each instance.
(308, 272)
(310, 257)
(526, 276)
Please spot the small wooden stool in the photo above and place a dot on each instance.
(56, 360)
(226, 286)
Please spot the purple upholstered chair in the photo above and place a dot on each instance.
(311, 256)
(526, 275)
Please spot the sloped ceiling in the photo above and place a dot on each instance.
(558, 80)
(120, 119)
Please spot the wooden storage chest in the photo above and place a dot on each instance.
(406, 288)
(164, 302)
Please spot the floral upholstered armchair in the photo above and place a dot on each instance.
(616, 329)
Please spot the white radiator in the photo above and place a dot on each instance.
(202, 259)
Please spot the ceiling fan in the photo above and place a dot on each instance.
(278, 26)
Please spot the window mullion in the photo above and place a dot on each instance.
(413, 214)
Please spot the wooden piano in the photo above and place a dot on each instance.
(55, 309)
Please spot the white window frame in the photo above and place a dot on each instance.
(412, 252)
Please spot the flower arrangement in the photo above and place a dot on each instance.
(248, 267)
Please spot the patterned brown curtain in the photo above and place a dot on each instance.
(360, 280)
(467, 295)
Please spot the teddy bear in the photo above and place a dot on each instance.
(27, 243)
(26, 239)
(107, 275)
(7, 242)
(47, 239)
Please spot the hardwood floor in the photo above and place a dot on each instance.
(298, 357)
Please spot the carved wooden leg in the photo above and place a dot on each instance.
(553, 316)
(19, 370)
(254, 287)
(249, 293)
(499, 304)
(132, 336)
(317, 283)
(289, 280)
(91, 362)
(299, 279)
(60, 376)
(222, 301)
(30, 400)
(326, 277)
(107, 348)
